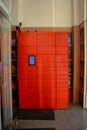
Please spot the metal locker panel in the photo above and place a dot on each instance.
(45, 50)
(26, 50)
(62, 50)
(45, 39)
(62, 58)
(27, 39)
(61, 38)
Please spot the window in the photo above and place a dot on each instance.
(32, 60)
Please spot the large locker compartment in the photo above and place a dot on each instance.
(43, 70)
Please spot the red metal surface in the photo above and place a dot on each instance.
(46, 39)
(44, 85)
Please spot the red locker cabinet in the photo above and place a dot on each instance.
(43, 70)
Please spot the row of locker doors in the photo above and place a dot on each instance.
(43, 70)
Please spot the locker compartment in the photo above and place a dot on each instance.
(52, 82)
(32, 83)
(32, 86)
(26, 50)
(62, 50)
(23, 103)
(48, 104)
(23, 99)
(23, 60)
(42, 64)
(41, 78)
(48, 95)
(47, 73)
(27, 39)
(22, 73)
(62, 95)
(62, 88)
(62, 58)
(33, 95)
(42, 87)
(22, 77)
(24, 94)
(31, 68)
(45, 39)
(46, 58)
(61, 64)
(22, 69)
(62, 72)
(60, 68)
(47, 89)
(23, 87)
(32, 78)
(22, 64)
(31, 73)
(33, 104)
(22, 81)
(62, 104)
(61, 77)
(61, 38)
(20, 57)
(46, 68)
(62, 82)
(46, 50)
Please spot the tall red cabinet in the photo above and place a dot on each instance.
(43, 70)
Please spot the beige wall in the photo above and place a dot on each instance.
(15, 12)
(35, 13)
(42, 13)
(47, 13)
(63, 13)
(75, 16)
(81, 11)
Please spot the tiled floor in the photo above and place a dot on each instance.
(75, 118)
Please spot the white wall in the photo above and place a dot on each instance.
(15, 12)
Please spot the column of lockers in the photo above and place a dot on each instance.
(27, 77)
(62, 70)
(46, 69)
